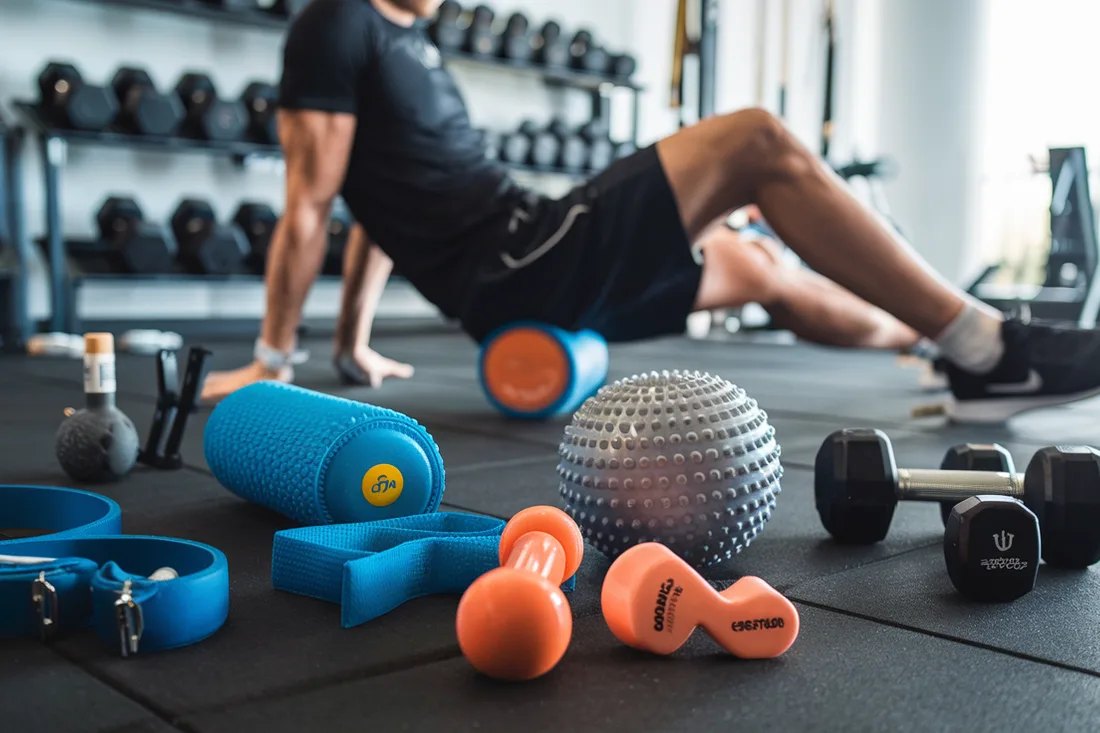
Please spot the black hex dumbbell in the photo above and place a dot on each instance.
(857, 485)
(601, 151)
(234, 4)
(142, 109)
(283, 8)
(623, 66)
(517, 43)
(551, 48)
(257, 221)
(448, 30)
(491, 139)
(206, 246)
(625, 149)
(142, 247)
(481, 40)
(339, 230)
(587, 55)
(572, 149)
(207, 116)
(992, 547)
(66, 100)
(543, 147)
(515, 147)
(261, 100)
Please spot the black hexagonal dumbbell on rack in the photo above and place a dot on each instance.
(601, 151)
(142, 109)
(543, 147)
(551, 48)
(587, 55)
(142, 247)
(282, 8)
(339, 230)
(517, 43)
(857, 485)
(207, 116)
(514, 147)
(572, 148)
(257, 221)
(262, 100)
(481, 39)
(448, 30)
(68, 101)
(207, 247)
(623, 66)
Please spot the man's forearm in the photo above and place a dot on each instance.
(298, 247)
(366, 270)
(379, 267)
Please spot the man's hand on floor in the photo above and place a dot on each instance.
(367, 367)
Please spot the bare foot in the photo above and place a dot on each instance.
(219, 385)
(889, 333)
(369, 368)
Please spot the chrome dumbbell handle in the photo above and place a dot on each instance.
(933, 485)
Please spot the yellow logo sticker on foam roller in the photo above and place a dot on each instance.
(382, 484)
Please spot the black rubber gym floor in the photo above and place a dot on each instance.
(886, 644)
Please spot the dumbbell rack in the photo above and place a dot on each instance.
(53, 142)
(199, 9)
(600, 85)
(15, 327)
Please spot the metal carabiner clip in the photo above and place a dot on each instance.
(129, 619)
(44, 598)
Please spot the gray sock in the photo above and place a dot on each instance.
(973, 340)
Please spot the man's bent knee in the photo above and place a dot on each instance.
(755, 140)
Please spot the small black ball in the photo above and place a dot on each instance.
(97, 445)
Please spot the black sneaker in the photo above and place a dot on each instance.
(1043, 365)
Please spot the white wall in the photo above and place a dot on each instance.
(931, 119)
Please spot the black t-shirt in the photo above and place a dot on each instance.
(418, 179)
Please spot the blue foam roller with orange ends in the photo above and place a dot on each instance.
(321, 459)
(536, 371)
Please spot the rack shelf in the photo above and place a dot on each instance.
(243, 150)
(15, 327)
(555, 76)
(115, 139)
(271, 21)
(88, 260)
(198, 9)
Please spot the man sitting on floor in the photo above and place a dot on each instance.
(368, 111)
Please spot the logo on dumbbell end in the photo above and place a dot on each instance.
(382, 484)
(1003, 540)
(664, 612)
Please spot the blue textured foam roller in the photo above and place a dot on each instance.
(536, 371)
(321, 459)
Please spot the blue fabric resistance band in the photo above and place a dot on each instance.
(371, 568)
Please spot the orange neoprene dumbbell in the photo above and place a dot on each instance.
(652, 600)
(514, 622)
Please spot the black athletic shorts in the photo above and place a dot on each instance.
(611, 255)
